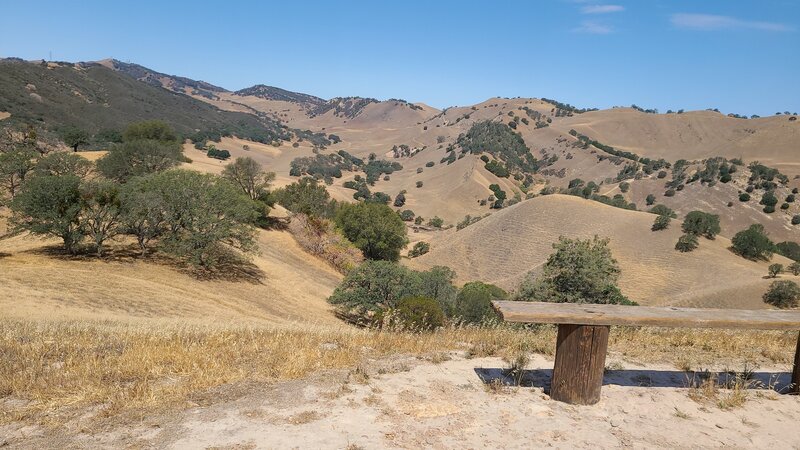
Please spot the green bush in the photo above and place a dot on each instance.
(686, 243)
(374, 228)
(769, 209)
(744, 197)
(650, 199)
(50, 206)
(418, 314)
(306, 196)
(661, 223)
(775, 269)
(436, 222)
(662, 210)
(788, 249)
(753, 243)
(783, 294)
(419, 249)
(138, 158)
(701, 224)
(407, 215)
(473, 303)
(796, 219)
(580, 271)
(794, 268)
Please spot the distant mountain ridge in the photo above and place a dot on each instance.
(275, 93)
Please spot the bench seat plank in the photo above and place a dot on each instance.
(591, 314)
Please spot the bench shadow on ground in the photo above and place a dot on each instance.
(540, 378)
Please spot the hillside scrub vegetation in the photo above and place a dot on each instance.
(580, 271)
(783, 294)
(753, 243)
(147, 147)
(503, 143)
(375, 228)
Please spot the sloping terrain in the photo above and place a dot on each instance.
(693, 135)
(281, 284)
(93, 97)
(502, 248)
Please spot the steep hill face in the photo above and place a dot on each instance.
(93, 97)
(503, 247)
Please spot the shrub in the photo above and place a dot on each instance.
(306, 196)
(788, 249)
(473, 303)
(418, 314)
(430, 164)
(624, 186)
(686, 243)
(775, 269)
(436, 222)
(790, 198)
(669, 193)
(661, 223)
(650, 199)
(419, 249)
(374, 228)
(785, 206)
(796, 219)
(418, 220)
(216, 153)
(701, 224)
(63, 163)
(662, 174)
(769, 209)
(794, 268)
(783, 294)
(769, 199)
(419, 184)
(580, 271)
(662, 210)
(744, 197)
(400, 199)
(753, 243)
(407, 215)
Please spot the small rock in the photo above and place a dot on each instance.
(614, 423)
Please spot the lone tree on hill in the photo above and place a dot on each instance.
(783, 294)
(775, 270)
(753, 243)
(374, 228)
(578, 272)
(249, 176)
(50, 206)
(700, 223)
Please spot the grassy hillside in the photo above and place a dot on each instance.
(502, 248)
(94, 98)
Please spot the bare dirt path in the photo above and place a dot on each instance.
(411, 403)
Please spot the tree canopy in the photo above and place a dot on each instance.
(375, 228)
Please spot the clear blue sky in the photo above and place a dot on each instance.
(738, 56)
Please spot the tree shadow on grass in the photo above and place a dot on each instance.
(540, 378)
(231, 265)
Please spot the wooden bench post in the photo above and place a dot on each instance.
(580, 362)
(796, 371)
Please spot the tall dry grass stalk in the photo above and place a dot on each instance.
(49, 368)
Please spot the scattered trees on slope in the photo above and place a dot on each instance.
(753, 243)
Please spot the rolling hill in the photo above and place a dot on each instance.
(502, 248)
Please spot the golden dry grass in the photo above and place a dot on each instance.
(51, 370)
(503, 247)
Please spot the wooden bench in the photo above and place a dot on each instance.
(583, 336)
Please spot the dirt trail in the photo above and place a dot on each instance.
(408, 403)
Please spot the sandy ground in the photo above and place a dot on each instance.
(412, 403)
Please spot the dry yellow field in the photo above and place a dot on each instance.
(502, 248)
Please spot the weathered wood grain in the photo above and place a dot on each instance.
(580, 362)
(590, 314)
